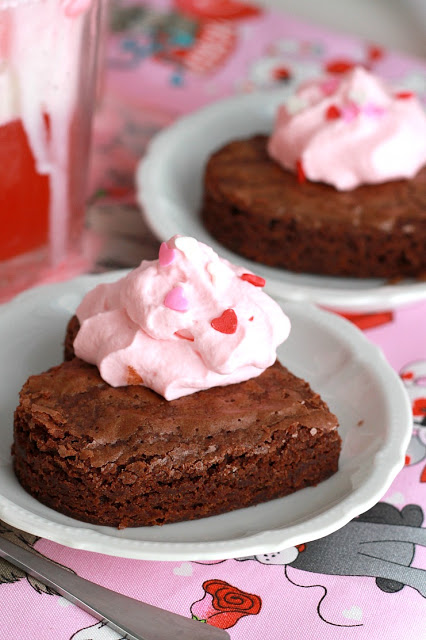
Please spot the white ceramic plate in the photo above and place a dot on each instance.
(169, 184)
(350, 373)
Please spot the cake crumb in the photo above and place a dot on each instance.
(360, 423)
(133, 377)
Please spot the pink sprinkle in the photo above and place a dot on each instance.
(176, 300)
(328, 87)
(350, 112)
(371, 109)
(166, 255)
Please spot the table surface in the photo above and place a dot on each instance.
(327, 595)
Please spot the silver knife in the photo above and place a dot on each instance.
(136, 620)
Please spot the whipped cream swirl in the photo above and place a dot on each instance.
(350, 130)
(185, 322)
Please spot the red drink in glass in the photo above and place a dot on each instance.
(47, 85)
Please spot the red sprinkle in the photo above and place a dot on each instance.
(339, 66)
(301, 176)
(333, 112)
(375, 53)
(226, 323)
(404, 95)
(408, 375)
(257, 281)
(281, 73)
(301, 547)
(407, 460)
(251, 319)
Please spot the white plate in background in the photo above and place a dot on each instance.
(348, 371)
(169, 187)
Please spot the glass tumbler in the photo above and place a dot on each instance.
(48, 58)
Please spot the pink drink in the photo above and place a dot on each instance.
(47, 83)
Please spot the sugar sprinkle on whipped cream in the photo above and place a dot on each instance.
(350, 130)
(185, 322)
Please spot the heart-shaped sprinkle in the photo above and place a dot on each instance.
(404, 95)
(329, 86)
(301, 176)
(333, 112)
(375, 53)
(166, 255)
(350, 112)
(295, 104)
(257, 281)
(373, 110)
(188, 246)
(358, 96)
(339, 66)
(281, 73)
(176, 300)
(226, 323)
(217, 272)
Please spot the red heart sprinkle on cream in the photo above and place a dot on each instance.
(301, 176)
(257, 281)
(333, 113)
(226, 323)
(166, 255)
(176, 300)
(404, 95)
(339, 66)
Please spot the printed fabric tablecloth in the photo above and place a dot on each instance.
(163, 59)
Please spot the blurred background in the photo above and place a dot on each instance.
(398, 24)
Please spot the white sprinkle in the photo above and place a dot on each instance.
(313, 431)
(295, 104)
(357, 96)
(188, 246)
(294, 435)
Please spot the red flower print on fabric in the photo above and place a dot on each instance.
(223, 605)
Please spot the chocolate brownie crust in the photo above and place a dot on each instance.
(127, 457)
(72, 329)
(257, 209)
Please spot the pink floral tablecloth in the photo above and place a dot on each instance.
(163, 59)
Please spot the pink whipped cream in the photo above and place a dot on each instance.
(185, 322)
(350, 130)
